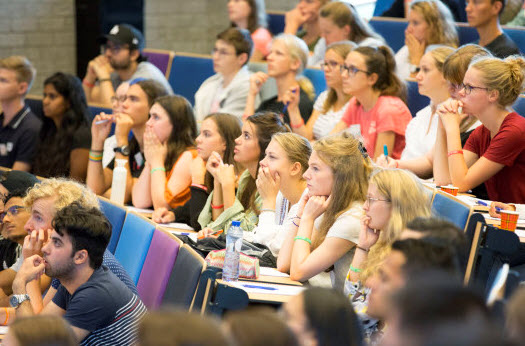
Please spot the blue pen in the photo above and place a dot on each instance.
(486, 205)
(285, 108)
(385, 150)
(260, 287)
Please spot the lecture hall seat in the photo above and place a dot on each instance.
(162, 59)
(188, 71)
(116, 215)
(451, 209)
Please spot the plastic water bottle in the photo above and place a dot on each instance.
(118, 185)
(230, 270)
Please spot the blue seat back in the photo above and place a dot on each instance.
(519, 105)
(133, 244)
(382, 6)
(517, 35)
(162, 59)
(445, 206)
(188, 71)
(316, 76)
(116, 215)
(416, 101)
(184, 278)
(392, 30)
(275, 22)
(466, 33)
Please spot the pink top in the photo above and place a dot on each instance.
(389, 113)
(261, 40)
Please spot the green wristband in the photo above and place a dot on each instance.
(354, 269)
(303, 238)
(158, 169)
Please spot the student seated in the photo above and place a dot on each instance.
(331, 104)
(339, 21)
(286, 62)
(281, 184)
(484, 16)
(65, 137)
(217, 137)
(303, 21)
(322, 316)
(168, 153)
(227, 90)
(394, 198)
(135, 113)
(91, 298)
(19, 127)
(325, 230)
(121, 61)
(495, 152)
(429, 22)
(251, 15)
(377, 112)
(225, 204)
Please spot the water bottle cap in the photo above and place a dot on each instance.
(236, 223)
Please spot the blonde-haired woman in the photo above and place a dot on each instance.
(429, 22)
(326, 228)
(303, 21)
(394, 198)
(280, 184)
(495, 152)
(286, 62)
(339, 21)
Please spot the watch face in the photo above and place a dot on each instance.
(125, 150)
(13, 301)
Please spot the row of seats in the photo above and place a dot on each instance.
(165, 270)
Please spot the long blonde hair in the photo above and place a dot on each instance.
(408, 200)
(441, 25)
(351, 168)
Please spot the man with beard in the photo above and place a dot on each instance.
(98, 306)
(122, 61)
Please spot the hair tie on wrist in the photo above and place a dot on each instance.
(304, 239)
(354, 269)
(454, 152)
(217, 206)
(162, 169)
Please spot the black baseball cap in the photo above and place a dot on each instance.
(125, 34)
(17, 180)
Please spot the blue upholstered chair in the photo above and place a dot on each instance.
(392, 30)
(316, 76)
(184, 278)
(188, 71)
(452, 209)
(519, 105)
(157, 268)
(275, 22)
(416, 101)
(116, 215)
(133, 244)
(162, 59)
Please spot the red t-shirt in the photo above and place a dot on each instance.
(390, 113)
(506, 148)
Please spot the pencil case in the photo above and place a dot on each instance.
(248, 266)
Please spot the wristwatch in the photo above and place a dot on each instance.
(124, 150)
(17, 299)
(414, 68)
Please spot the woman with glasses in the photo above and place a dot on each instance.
(339, 21)
(65, 138)
(226, 91)
(394, 198)
(330, 104)
(251, 15)
(134, 114)
(495, 152)
(377, 112)
(429, 22)
(325, 230)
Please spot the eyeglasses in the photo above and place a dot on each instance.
(468, 88)
(331, 64)
(13, 210)
(372, 199)
(351, 69)
(114, 48)
(119, 99)
(221, 52)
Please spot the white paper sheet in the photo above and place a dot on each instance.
(177, 225)
(140, 210)
(265, 288)
(267, 271)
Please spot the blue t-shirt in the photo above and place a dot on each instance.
(114, 265)
(105, 307)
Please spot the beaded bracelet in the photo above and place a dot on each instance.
(303, 238)
(162, 169)
(454, 152)
(354, 269)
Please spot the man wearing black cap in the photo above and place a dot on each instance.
(122, 61)
(14, 180)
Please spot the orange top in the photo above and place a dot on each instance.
(182, 197)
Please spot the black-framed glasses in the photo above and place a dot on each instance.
(468, 88)
(351, 69)
(13, 210)
(370, 199)
(331, 64)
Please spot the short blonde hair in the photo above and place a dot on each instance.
(25, 72)
(441, 25)
(297, 148)
(505, 76)
(408, 199)
(64, 191)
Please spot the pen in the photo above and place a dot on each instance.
(285, 108)
(102, 121)
(486, 205)
(385, 150)
(214, 233)
(260, 287)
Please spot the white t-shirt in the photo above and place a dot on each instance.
(418, 141)
(347, 226)
(402, 63)
(327, 121)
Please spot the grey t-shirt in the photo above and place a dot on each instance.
(144, 70)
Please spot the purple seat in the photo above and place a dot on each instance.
(157, 268)
(162, 59)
